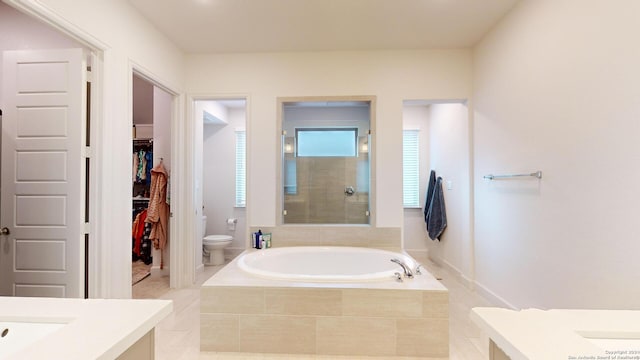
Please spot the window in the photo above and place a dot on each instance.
(241, 168)
(327, 142)
(410, 169)
(290, 181)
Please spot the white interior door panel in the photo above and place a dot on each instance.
(42, 181)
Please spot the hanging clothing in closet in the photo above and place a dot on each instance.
(140, 232)
(158, 211)
(136, 163)
(148, 156)
(142, 164)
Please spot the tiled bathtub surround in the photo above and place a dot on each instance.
(240, 313)
(333, 235)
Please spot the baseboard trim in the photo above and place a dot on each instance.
(231, 253)
(469, 283)
(493, 297)
(420, 253)
(462, 278)
(157, 272)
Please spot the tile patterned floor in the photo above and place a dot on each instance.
(178, 335)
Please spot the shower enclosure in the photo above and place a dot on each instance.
(325, 162)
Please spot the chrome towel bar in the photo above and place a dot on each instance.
(537, 174)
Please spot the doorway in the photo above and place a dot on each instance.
(220, 158)
(441, 134)
(150, 204)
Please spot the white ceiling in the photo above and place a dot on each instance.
(219, 26)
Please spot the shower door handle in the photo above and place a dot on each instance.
(349, 191)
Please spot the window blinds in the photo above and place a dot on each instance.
(410, 169)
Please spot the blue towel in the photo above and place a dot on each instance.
(430, 187)
(437, 215)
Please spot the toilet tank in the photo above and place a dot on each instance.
(204, 225)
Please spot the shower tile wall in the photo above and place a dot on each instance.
(320, 197)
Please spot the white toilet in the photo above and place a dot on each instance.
(214, 245)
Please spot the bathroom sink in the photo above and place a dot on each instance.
(614, 341)
(16, 335)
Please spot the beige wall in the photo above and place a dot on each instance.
(142, 101)
(162, 110)
(450, 157)
(556, 89)
(391, 76)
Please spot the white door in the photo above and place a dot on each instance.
(43, 179)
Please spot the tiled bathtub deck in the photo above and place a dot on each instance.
(240, 313)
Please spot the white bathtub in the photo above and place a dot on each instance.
(324, 263)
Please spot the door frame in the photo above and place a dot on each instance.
(179, 263)
(105, 280)
(98, 255)
(194, 183)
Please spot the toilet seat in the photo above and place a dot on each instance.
(217, 238)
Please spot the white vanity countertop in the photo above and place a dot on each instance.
(95, 328)
(562, 334)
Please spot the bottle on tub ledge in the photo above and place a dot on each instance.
(257, 240)
(260, 240)
(267, 240)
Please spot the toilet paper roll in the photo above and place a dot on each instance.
(231, 224)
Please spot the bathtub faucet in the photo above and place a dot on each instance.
(417, 271)
(407, 271)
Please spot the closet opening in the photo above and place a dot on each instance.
(150, 196)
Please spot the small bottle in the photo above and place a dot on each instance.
(259, 240)
(267, 240)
